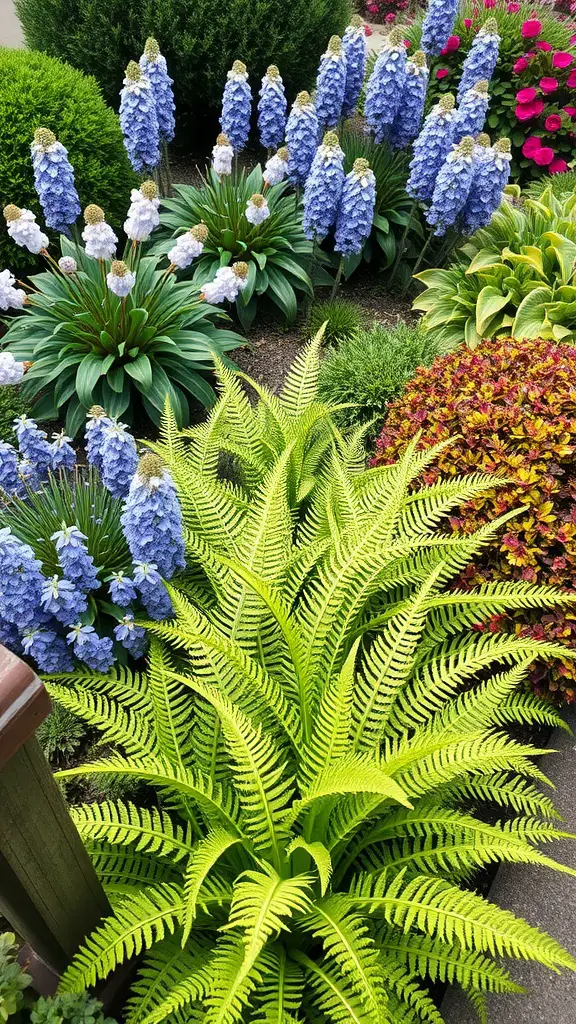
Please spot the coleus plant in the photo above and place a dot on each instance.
(319, 719)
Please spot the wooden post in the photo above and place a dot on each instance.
(49, 891)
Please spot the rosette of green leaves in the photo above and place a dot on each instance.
(90, 347)
(282, 262)
(513, 278)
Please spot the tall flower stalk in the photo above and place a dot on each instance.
(437, 25)
(54, 181)
(386, 85)
(471, 113)
(272, 108)
(324, 188)
(139, 120)
(481, 58)
(331, 84)
(355, 51)
(302, 131)
(236, 106)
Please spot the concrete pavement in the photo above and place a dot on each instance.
(10, 31)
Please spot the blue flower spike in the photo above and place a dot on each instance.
(452, 186)
(331, 84)
(54, 181)
(385, 87)
(324, 188)
(355, 51)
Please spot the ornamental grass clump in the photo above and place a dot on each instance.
(510, 407)
(78, 548)
(321, 722)
(122, 333)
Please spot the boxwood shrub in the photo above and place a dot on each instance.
(35, 91)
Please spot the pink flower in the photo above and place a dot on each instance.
(573, 39)
(531, 146)
(548, 84)
(571, 111)
(442, 72)
(526, 111)
(531, 28)
(407, 44)
(543, 45)
(558, 166)
(489, 3)
(544, 156)
(562, 60)
(373, 8)
(513, 8)
(390, 17)
(367, 30)
(520, 65)
(526, 95)
(553, 122)
(468, 22)
(451, 46)
(571, 80)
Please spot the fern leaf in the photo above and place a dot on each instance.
(147, 830)
(165, 967)
(353, 774)
(301, 383)
(319, 854)
(125, 728)
(280, 992)
(330, 740)
(408, 991)
(136, 924)
(333, 993)
(203, 857)
(263, 904)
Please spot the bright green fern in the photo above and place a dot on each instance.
(320, 720)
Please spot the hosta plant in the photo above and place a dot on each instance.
(280, 259)
(319, 720)
(90, 346)
(514, 277)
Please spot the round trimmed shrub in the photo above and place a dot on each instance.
(510, 408)
(199, 38)
(36, 91)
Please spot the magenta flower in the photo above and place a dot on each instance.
(390, 17)
(442, 72)
(553, 122)
(571, 80)
(558, 166)
(513, 8)
(542, 45)
(531, 28)
(531, 146)
(544, 156)
(526, 111)
(468, 22)
(548, 84)
(489, 3)
(526, 95)
(520, 65)
(573, 39)
(571, 111)
(562, 59)
(452, 45)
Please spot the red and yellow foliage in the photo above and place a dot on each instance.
(511, 408)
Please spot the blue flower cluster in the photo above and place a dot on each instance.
(437, 25)
(131, 636)
(272, 108)
(302, 131)
(61, 599)
(153, 593)
(33, 445)
(408, 120)
(452, 186)
(94, 435)
(73, 557)
(54, 181)
(122, 589)
(331, 84)
(431, 149)
(323, 188)
(48, 650)
(9, 477)
(491, 173)
(153, 65)
(119, 459)
(63, 454)
(471, 114)
(356, 210)
(355, 51)
(139, 120)
(481, 58)
(152, 518)
(95, 651)
(386, 86)
(237, 106)
(21, 583)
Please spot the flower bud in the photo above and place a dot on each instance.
(93, 214)
(12, 212)
(149, 189)
(44, 137)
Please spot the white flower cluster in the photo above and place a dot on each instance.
(11, 372)
(227, 284)
(188, 247)
(222, 155)
(24, 230)
(10, 297)
(120, 279)
(276, 167)
(67, 264)
(100, 240)
(143, 215)
(257, 209)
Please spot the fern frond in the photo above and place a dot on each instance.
(445, 912)
(501, 790)
(233, 980)
(147, 830)
(330, 739)
(264, 903)
(349, 949)
(124, 728)
(117, 866)
(165, 967)
(353, 774)
(280, 992)
(333, 993)
(301, 383)
(203, 857)
(408, 991)
(136, 924)
(319, 854)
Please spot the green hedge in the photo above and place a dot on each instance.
(36, 90)
(199, 38)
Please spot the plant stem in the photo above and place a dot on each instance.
(402, 243)
(420, 259)
(337, 279)
(167, 171)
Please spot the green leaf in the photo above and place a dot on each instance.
(140, 370)
(530, 316)
(320, 855)
(489, 302)
(87, 375)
